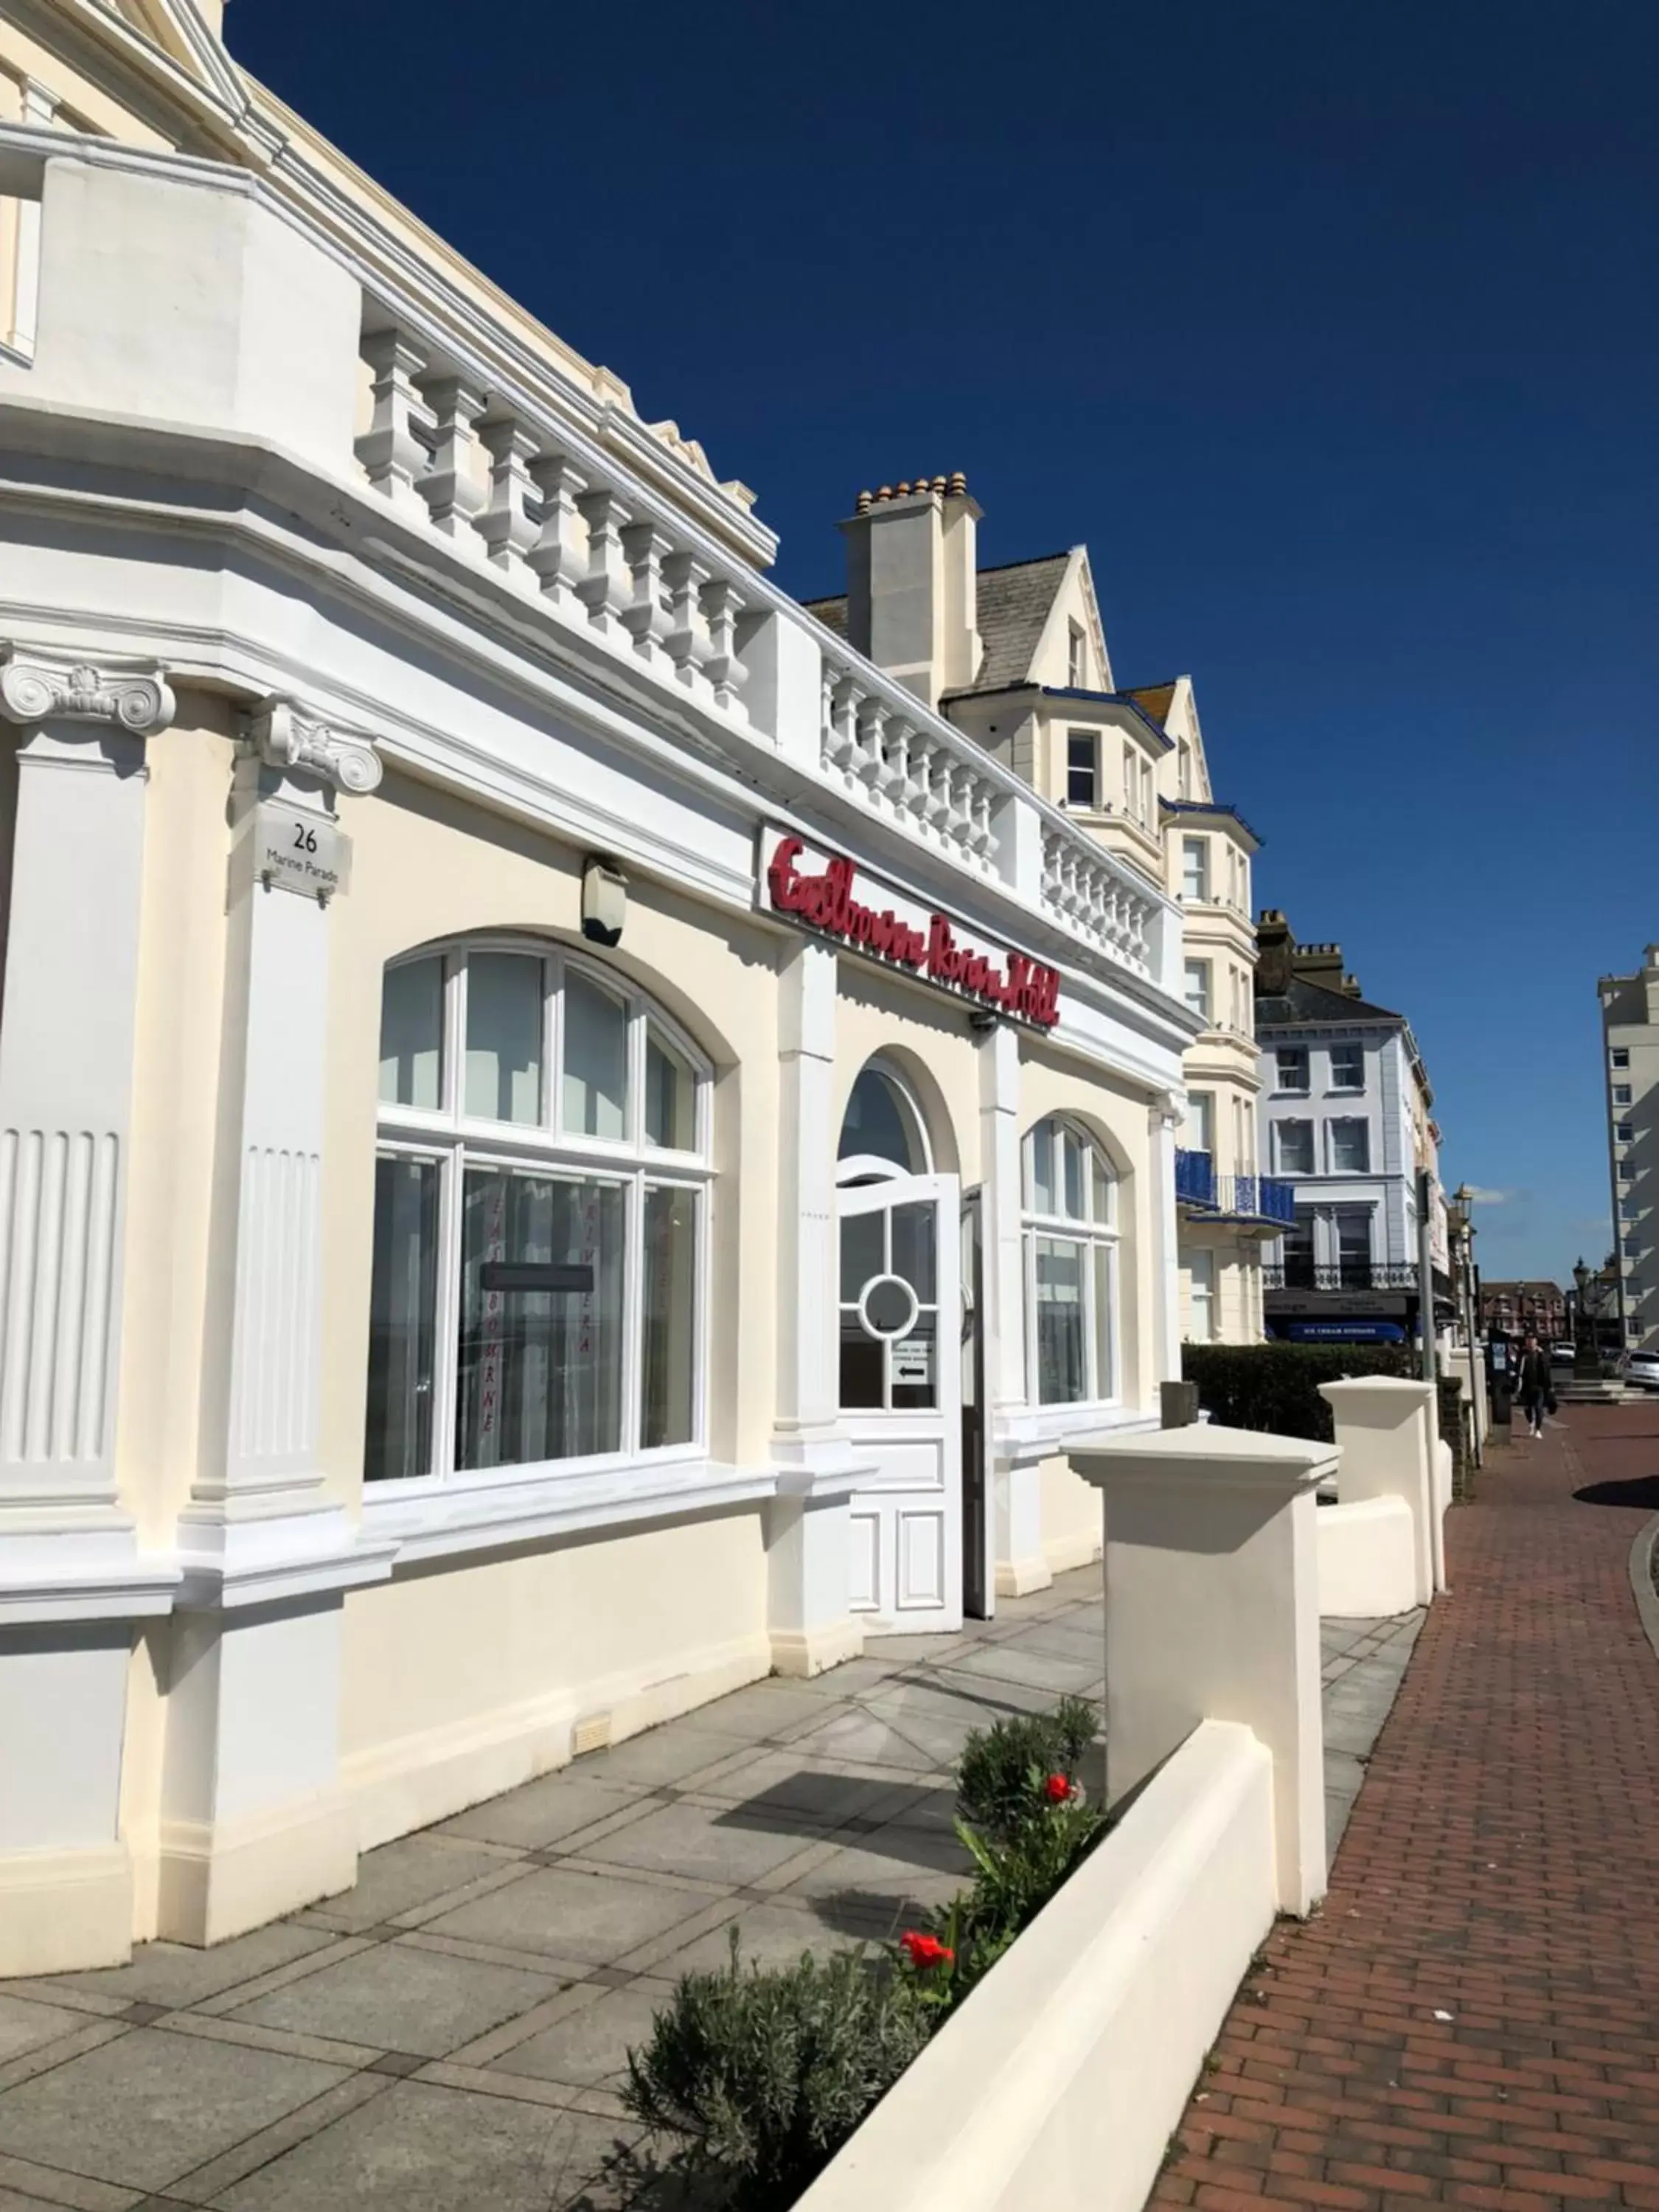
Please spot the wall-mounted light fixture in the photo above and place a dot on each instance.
(604, 900)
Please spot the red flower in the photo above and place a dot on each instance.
(1057, 1788)
(927, 1950)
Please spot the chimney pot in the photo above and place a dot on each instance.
(863, 503)
(886, 492)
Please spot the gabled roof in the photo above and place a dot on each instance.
(1156, 698)
(183, 35)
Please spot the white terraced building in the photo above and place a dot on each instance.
(567, 1138)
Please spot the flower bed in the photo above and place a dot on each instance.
(758, 2077)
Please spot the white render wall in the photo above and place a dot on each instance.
(1387, 1192)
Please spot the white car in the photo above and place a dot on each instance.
(1641, 1368)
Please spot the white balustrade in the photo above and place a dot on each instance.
(1082, 889)
(914, 774)
(498, 486)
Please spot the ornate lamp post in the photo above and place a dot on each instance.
(1586, 1353)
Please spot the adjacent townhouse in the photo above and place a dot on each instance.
(1348, 1122)
(1515, 1308)
(1630, 1071)
(571, 1132)
(1016, 655)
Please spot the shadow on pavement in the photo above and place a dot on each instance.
(1639, 1492)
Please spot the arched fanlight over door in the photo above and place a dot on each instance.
(882, 1124)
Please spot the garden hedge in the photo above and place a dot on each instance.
(1276, 1386)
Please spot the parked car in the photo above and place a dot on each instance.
(1562, 1355)
(1641, 1368)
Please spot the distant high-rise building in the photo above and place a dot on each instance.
(1630, 1064)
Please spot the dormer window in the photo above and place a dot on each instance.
(1077, 662)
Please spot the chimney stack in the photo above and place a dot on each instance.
(912, 583)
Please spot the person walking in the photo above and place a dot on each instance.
(1533, 1386)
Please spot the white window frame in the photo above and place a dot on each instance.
(1092, 1236)
(1091, 740)
(1281, 1166)
(1200, 1296)
(1283, 1052)
(1348, 1089)
(1619, 1056)
(455, 1141)
(1200, 1104)
(1195, 869)
(1621, 1094)
(1347, 1121)
(1205, 1004)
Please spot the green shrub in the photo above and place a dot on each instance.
(1276, 1386)
(763, 2076)
(1001, 1774)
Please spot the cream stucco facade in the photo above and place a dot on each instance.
(499, 1241)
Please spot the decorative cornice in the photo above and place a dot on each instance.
(287, 738)
(38, 688)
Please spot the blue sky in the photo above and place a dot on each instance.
(1331, 330)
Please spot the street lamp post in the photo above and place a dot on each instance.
(1586, 1353)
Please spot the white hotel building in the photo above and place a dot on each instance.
(566, 1138)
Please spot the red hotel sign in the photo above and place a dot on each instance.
(1011, 983)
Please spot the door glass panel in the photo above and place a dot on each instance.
(915, 1365)
(889, 1307)
(504, 1037)
(412, 1034)
(863, 1364)
(402, 1320)
(862, 1252)
(539, 1369)
(595, 1102)
(915, 1238)
(1059, 1265)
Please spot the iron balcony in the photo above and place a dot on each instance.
(1241, 1197)
(1345, 1275)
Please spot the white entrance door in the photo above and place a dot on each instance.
(901, 1392)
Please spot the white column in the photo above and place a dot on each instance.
(1018, 1562)
(251, 1824)
(71, 1578)
(807, 1539)
(1212, 1613)
(1162, 1120)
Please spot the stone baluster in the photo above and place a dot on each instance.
(896, 765)
(982, 836)
(721, 607)
(608, 587)
(929, 808)
(844, 743)
(505, 525)
(870, 759)
(645, 617)
(559, 556)
(451, 487)
(686, 641)
(394, 457)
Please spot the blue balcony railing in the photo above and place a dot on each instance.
(1195, 1178)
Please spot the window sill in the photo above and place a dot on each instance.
(435, 1520)
(1038, 1432)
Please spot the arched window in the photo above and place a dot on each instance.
(540, 1203)
(882, 1122)
(1071, 1267)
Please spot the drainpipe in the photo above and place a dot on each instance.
(1425, 1277)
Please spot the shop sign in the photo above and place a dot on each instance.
(912, 1360)
(1359, 1304)
(1344, 1332)
(822, 896)
(297, 851)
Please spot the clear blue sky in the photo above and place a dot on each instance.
(1333, 331)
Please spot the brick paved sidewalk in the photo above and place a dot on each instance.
(1475, 2018)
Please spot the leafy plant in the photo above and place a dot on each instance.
(1002, 1775)
(1275, 1387)
(763, 2076)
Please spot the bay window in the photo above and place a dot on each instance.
(540, 1203)
(1071, 1267)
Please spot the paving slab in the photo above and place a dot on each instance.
(395, 1998)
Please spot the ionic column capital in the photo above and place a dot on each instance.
(287, 738)
(40, 687)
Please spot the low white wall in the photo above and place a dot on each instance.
(1367, 1559)
(1062, 2078)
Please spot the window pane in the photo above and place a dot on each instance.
(914, 1230)
(1198, 987)
(1059, 1268)
(1080, 789)
(878, 1121)
(671, 1312)
(1296, 1148)
(540, 1367)
(1347, 1066)
(863, 1252)
(1105, 1370)
(671, 1096)
(504, 1037)
(1195, 868)
(402, 1320)
(595, 1060)
(412, 1034)
(1071, 1153)
(1292, 1070)
(1040, 1168)
(1100, 1185)
(1350, 1147)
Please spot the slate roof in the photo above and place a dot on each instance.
(1304, 1001)
(1014, 604)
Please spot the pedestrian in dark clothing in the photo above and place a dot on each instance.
(1534, 1386)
